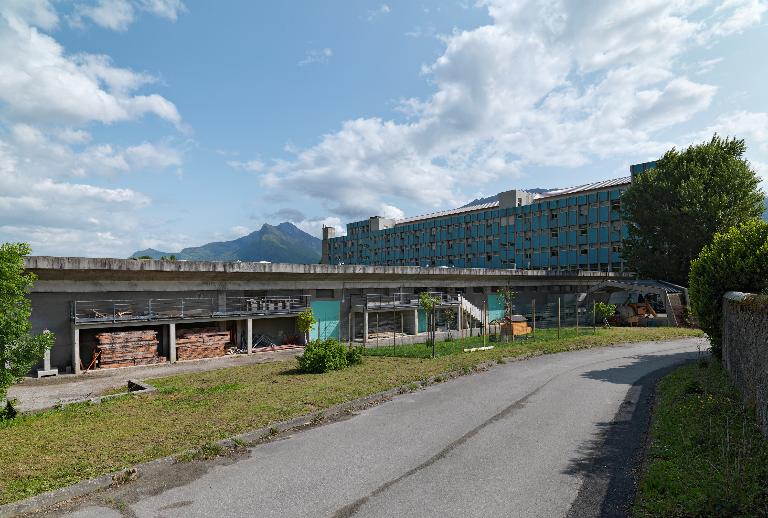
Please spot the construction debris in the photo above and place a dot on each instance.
(127, 348)
(194, 344)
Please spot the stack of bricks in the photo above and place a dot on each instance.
(193, 344)
(128, 348)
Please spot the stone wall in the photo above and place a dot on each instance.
(745, 349)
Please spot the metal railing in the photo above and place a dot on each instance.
(374, 301)
(266, 305)
(94, 311)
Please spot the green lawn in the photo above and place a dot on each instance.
(52, 449)
(545, 340)
(707, 456)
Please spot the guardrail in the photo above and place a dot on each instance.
(96, 311)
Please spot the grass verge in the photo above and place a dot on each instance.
(707, 455)
(52, 449)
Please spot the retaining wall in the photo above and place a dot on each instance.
(745, 349)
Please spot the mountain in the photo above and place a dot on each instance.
(495, 197)
(283, 243)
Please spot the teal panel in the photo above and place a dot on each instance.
(422, 321)
(495, 307)
(327, 313)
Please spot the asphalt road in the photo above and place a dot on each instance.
(558, 435)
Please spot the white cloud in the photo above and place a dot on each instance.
(253, 166)
(38, 82)
(169, 9)
(118, 15)
(738, 15)
(316, 56)
(382, 10)
(548, 82)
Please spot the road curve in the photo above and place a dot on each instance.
(557, 435)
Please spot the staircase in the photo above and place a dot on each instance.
(471, 310)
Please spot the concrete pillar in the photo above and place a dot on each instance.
(351, 326)
(249, 335)
(458, 320)
(75, 350)
(365, 328)
(172, 342)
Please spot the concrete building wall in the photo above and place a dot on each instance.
(63, 281)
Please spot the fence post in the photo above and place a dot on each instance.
(558, 317)
(577, 315)
(533, 310)
(483, 318)
(594, 317)
(377, 328)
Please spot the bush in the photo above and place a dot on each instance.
(328, 355)
(735, 260)
(355, 356)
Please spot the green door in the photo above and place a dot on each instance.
(422, 327)
(327, 315)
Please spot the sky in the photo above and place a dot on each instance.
(128, 124)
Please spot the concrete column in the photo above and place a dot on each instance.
(75, 350)
(249, 335)
(351, 326)
(172, 342)
(365, 328)
(415, 321)
(458, 320)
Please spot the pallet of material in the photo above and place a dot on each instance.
(128, 348)
(195, 344)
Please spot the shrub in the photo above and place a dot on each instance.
(323, 356)
(604, 311)
(355, 356)
(735, 260)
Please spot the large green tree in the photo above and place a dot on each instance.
(674, 209)
(19, 350)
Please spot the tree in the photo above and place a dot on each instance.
(674, 209)
(304, 321)
(508, 300)
(428, 303)
(450, 320)
(604, 311)
(19, 350)
(736, 260)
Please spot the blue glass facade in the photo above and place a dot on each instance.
(571, 229)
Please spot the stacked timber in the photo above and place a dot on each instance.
(128, 348)
(193, 344)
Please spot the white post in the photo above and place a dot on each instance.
(76, 350)
(172, 342)
(249, 335)
(365, 328)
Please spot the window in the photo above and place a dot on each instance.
(324, 294)
(477, 289)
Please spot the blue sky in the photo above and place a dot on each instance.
(127, 124)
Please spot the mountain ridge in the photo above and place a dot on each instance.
(282, 243)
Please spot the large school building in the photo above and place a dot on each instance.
(578, 228)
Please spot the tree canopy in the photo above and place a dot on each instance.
(19, 350)
(674, 209)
